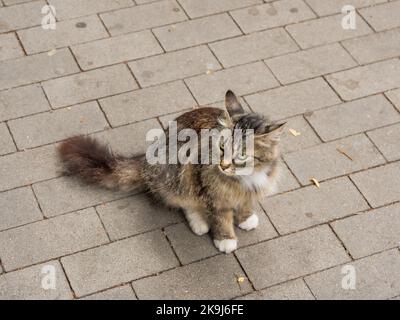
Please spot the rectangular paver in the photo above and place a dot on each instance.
(21, 16)
(394, 97)
(195, 8)
(310, 63)
(198, 31)
(294, 99)
(147, 103)
(377, 278)
(6, 142)
(103, 52)
(36, 68)
(380, 185)
(271, 15)
(334, 159)
(375, 47)
(253, 47)
(174, 65)
(89, 85)
(119, 262)
(50, 238)
(54, 126)
(384, 16)
(292, 290)
(134, 215)
(18, 207)
(242, 80)
(326, 30)
(323, 8)
(216, 279)
(291, 256)
(366, 80)
(309, 206)
(10, 47)
(353, 117)
(67, 9)
(22, 101)
(143, 17)
(67, 33)
(23, 168)
(379, 228)
(26, 284)
(119, 293)
(387, 140)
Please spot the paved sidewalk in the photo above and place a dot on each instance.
(117, 68)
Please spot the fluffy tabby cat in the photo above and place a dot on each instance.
(211, 196)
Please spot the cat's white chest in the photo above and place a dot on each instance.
(256, 181)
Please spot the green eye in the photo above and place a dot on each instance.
(222, 145)
(242, 157)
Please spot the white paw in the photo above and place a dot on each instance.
(250, 223)
(199, 226)
(226, 245)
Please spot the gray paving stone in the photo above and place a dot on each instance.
(310, 206)
(379, 228)
(366, 80)
(294, 99)
(22, 101)
(20, 16)
(384, 16)
(13, 2)
(306, 139)
(102, 52)
(271, 15)
(326, 30)
(394, 97)
(16, 169)
(174, 65)
(143, 17)
(323, 8)
(197, 9)
(253, 47)
(67, 9)
(128, 140)
(9, 47)
(310, 63)
(195, 32)
(18, 207)
(242, 80)
(147, 103)
(286, 181)
(135, 215)
(292, 290)
(67, 194)
(291, 256)
(54, 126)
(353, 117)
(51, 238)
(375, 47)
(387, 140)
(380, 185)
(119, 262)
(26, 284)
(6, 142)
(89, 85)
(69, 32)
(377, 278)
(119, 293)
(327, 160)
(36, 68)
(216, 278)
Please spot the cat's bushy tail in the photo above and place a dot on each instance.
(95, 163)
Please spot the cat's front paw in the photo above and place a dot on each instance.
(250, 224)
(226, 245)
(199, 226)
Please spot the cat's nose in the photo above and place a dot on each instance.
(224, 165)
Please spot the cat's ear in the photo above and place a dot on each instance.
(232, 104)
(273, 134)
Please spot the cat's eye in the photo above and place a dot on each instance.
(222, 145)
(241, 159)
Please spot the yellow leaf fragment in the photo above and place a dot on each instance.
(316, 182)
(52, 52)
(240, 279)
(294, 132)
(344, 153)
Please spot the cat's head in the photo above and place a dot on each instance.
(266, 136)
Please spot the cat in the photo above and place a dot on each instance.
(212, 196)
